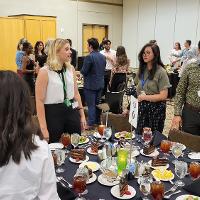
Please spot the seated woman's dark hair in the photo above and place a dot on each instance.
(16, 125)
(155, 62)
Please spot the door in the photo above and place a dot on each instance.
(87, 33)
(91, 30)
(33, 30)
(12, 30)
(48, 29)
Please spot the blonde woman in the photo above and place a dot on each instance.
(58, 102)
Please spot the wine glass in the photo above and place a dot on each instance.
(101, 130)
(147, 135)
(75, 138)
(108, 133)
(145, 186)
(180, 170)
(176, 151)
(59, 159)
(79, 182)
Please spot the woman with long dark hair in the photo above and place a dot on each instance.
(120, 69)
(29, 66)
(26, 164)
(40, 56)
(152, 88)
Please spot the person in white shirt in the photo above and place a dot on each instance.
(175, 56)
(110, 61)
(58, 102)
(26, 165)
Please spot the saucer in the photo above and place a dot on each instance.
(80, 161)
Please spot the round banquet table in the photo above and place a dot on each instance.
(96, 191)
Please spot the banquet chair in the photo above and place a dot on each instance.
(114, 101)
(189, 140)
(117, 121)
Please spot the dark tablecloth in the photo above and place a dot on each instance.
(97, 191)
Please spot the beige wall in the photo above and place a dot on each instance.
(70, 16)
(167, 21)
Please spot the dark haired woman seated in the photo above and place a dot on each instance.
(26, 164)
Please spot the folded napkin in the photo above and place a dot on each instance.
(193, 188)
(157, 138)
(65, 193)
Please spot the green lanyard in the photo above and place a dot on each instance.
(67, 102)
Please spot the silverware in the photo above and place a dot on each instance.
(168, 196)
(172, 189)
(60, 178)
(63, 184)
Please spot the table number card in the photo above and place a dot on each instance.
(133, 114)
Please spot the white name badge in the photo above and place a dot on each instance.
(198, 93)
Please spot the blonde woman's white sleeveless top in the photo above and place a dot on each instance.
(55, 93)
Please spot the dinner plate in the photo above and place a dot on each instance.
(184, 197)
(97, 135)
(89, 150)
(160, 178)
(120, 134)
(92, 179)
(80, 161)
(194, 155)
(94, 166)
(154, 154)
(103, 181)
(54, 146)
(84, 142)
(158, 167)
(115, 192)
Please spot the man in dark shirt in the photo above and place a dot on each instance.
(93, 72)
(73, 55)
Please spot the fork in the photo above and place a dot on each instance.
(172, 189)
(60, 178)
(168, 196)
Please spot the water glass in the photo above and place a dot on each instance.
(177, 150)
(145, 186)
(108, 133)
(60, 159)
(180, 170)
(75, 138)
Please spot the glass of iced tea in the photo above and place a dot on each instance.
(79, 185)
(65, 139)
(194, 170)
(101, 129)
(165, 146)
(157, 190)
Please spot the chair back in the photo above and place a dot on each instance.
(115, 100)
(117, 121)
(189, 140)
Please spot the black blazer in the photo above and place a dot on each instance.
(93, 71)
